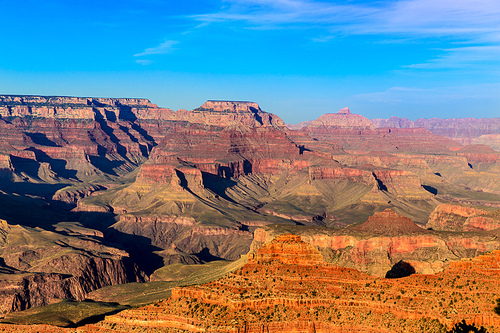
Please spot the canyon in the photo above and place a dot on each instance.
(102, 192)
(286, 286)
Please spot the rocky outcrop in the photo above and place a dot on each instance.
(342, 119)
(397, 182)
(274, 292)
(385, 239)
(388, 223)
(44, 267)
(165, 231)
(462, 218)
(72, 195)
(286, 249)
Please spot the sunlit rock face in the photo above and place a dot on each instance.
(281, 292)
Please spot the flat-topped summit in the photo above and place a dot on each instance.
(212, 112)
(232, 106)
(34, 100)
(228, 113)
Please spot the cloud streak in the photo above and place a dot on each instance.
(463, 57)
(421, 17)
(475, 23)
(165, 47)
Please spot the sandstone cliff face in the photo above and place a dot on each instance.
(385, 239)
(164, 232)
(97, 136)
(279, 293)
(286, 249)
(477, 154)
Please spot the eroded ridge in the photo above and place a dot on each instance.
(276, 292)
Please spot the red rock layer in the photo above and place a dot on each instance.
(288, 297)
(343, 119)
(479, 154)
(384, 139)
(231, 152)
(113, 135)
(286, 249)
(386, 238)
(462, 218)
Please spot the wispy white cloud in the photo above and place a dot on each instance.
(275, 13)
(163, 48)
(443, 17)
(463, 57)
(322, 39)
(475, 23)
(144, 62)
(421, 17)
(392, 95)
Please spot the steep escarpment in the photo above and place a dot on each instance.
(40, 267)
(240, 170)
(91, 138)
(112, 181)
(72, 137)
(286, 287)
(383, 241)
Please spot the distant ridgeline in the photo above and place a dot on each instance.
(65, 107)
(214, 112)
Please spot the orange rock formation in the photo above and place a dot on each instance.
(307, 295)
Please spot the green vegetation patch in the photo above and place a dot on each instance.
(138, 294)
(65, 313)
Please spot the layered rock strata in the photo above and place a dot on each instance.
(384, 240)
(278, 293)
(463, 218)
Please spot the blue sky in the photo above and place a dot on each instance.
(296, 58)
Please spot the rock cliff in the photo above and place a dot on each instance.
(462, 218)
(276, 292)
(159, 186)
(384, 240)
(41, 267)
